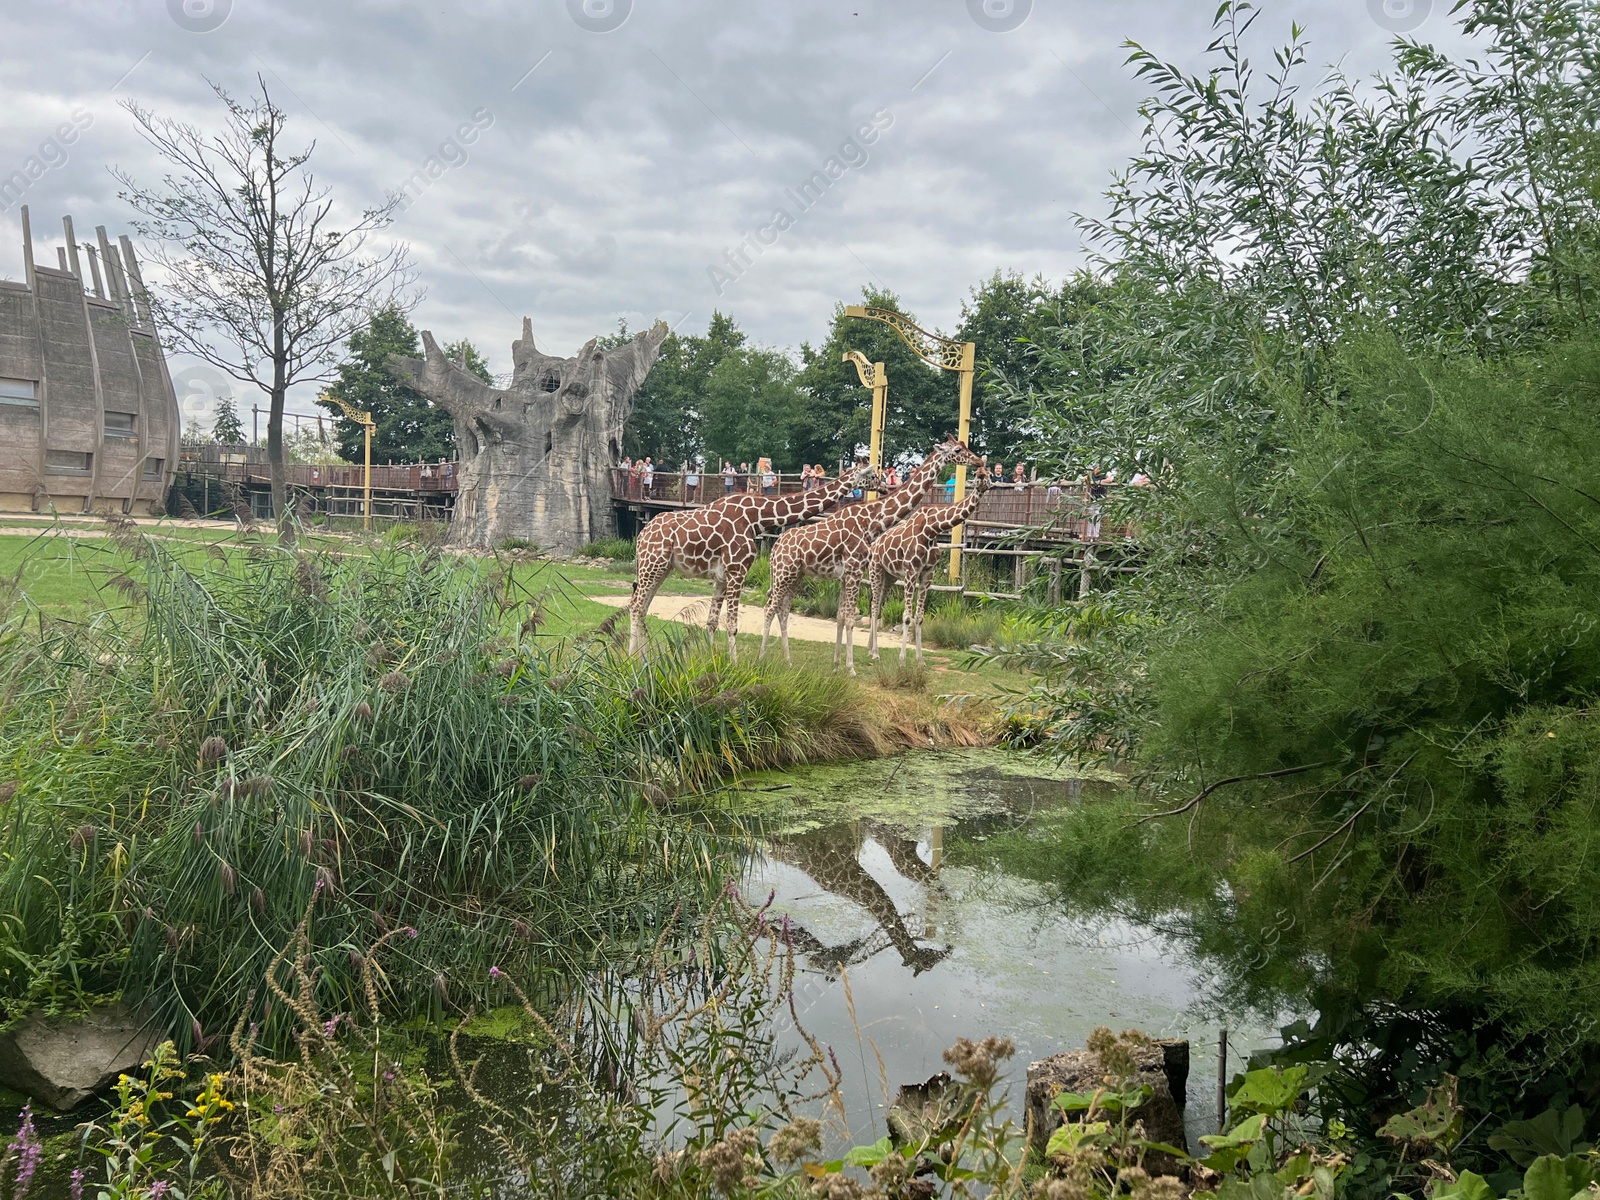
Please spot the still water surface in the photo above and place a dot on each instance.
(912, 935)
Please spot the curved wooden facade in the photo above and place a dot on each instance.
(88, 416)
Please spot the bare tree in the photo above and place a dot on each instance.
(259, 282)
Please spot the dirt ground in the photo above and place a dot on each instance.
(691, 610)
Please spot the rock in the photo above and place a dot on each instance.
(62, 1061)
(1164, 1066)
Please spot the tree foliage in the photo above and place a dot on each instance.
(410, 427)
(1347, 327)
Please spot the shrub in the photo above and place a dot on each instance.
(619, 548)
(957, 624)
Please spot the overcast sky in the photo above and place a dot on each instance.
(623, 149)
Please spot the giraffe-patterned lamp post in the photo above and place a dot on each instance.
(874, 376)
(363, 419)
(946, 354)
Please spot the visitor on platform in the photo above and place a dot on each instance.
(744, 477)
(891, 478)
(806, 482)
(691, 481)
(648, 475)
(1019, 475)
(999, 473)
(769, 477)
(729, 477)
(1140, 479)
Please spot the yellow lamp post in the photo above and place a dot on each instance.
(875, 377)
(363, 419)
(946, 354)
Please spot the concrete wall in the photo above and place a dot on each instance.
(89, 349)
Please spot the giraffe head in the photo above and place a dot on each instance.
(864, 476)
(954, 452)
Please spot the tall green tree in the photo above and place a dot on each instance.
(410, 427)
(227, 428)
(668, 418)
(835, 421)
(752, 409)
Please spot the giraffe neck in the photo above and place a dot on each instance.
(947, 518)
(778, 512)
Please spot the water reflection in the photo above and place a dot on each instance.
(831, 857)
(912, 936)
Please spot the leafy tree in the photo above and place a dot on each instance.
(752, 409)
(226, 427)
(835, 421)
(1360, 660)
(668, 422)
(409, 427)
(1005, 318)
(260, 282)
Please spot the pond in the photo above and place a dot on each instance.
(912, 936)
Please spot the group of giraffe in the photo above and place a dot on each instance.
(872, 541)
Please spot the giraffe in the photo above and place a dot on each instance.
(838, 547)
(908, 552)
(718, 542)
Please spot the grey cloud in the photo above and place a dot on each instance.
(628, 160)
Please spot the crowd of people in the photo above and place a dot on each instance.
(639, 479)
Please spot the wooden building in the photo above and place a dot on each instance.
(88, 417)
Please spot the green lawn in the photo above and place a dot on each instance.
(72, 576)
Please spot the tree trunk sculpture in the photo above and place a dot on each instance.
(536, 457)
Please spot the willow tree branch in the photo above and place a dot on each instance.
(1209, 788)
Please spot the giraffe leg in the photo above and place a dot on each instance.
(878, 581)
(906, 616)
(717, 591)
(735, 588)
(850, 611)
(783, 627)
(767, 615)
(922, 609)
(647, 581)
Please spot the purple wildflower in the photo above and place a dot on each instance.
(76, 1191)
(495, 972)
(28, 1150)
(159, 1189)
(410, 931)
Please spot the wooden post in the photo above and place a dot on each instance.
(1222, 1080)
(1086, 572)
(1055, 580)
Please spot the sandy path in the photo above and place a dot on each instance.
(691, 610)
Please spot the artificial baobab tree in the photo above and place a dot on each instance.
(263, 277)
(536, 456)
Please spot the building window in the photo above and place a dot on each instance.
(23, 393)
(120, 425)
(67, 462)
(152, 467)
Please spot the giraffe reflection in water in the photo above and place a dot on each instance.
(831, 856)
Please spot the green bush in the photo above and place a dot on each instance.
(956, 623)
(618, 548)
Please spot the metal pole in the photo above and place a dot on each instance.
(366, 505)
(1222, 1080)
(964, 429)
(255, 424)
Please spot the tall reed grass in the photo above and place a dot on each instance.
(386, 738)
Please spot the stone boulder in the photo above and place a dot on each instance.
(62, 1061)
(1164, 1066)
